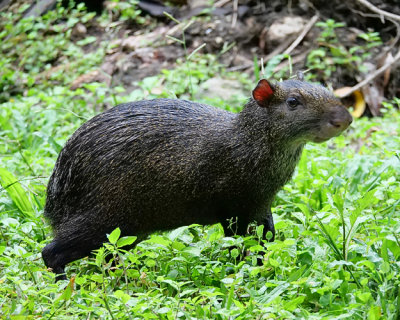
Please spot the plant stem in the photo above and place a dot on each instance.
(187, 63)
(105, 295)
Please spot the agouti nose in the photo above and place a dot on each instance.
(336, 123)
(341, 122)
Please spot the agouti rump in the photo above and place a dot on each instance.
(159, 164)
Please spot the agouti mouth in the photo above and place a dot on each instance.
(326, 135)
(321, 139)
(332, 129)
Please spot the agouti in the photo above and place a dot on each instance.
(159, 164)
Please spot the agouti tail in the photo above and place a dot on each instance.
(160, 164)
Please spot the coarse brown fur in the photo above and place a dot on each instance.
(160, 164)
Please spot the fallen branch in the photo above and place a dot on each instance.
(306, 29)
(294, 60)
(382, 13)
(373, 75)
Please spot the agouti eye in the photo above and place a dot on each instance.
(292, 102)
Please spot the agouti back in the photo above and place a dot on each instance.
(159, 164)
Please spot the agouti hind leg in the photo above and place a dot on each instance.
(268, 223)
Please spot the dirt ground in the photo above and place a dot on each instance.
(236, 31)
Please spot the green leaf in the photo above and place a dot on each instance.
(230, 296)
(163, 310)
(292, 304)
(159, 240)
(126, 241)
(16, 192)
(326, 232)
(54, 144)
(260, 231)
(385, 267)
(305, 210)
(172, 283)
(354, 228)
(363, 296)
(274, 293)
(114, 236)
(375, 313)
(86, 41)
(192, 251)
(177, 232)
(294, 276)
(384, 251)
(122, 295)
(178, 245)
(234, 253)
(150, 263)
(69, 289)
(99, 256)
(273, 262)
(338, 199)
(393, 247)
(366, 200)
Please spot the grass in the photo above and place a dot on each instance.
(337, 252)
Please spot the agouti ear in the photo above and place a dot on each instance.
(263, 92)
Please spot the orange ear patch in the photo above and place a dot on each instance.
(263, 92)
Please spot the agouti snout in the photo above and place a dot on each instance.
(337, 122)
(160, 164)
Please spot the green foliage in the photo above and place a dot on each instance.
(337, 252)
(332, 53)
(16, 192)
(125, 10)
(39, 52)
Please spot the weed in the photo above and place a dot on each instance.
(332, 54)
(125, 11)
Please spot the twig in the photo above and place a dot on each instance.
(374, 15)
(306, 29)
(275, 52)
(373, 75)
(382, 13)
(235, 13)
(278, 49)
(294, 60)
(241, 67)
(221, 3)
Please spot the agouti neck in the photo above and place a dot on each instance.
(261, 152)
(266, 126)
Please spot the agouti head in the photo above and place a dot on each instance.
(301, 111)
